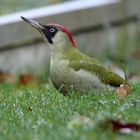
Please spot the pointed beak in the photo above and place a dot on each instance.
(33, 23)
(39, 27)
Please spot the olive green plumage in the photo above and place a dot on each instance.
(79, 61)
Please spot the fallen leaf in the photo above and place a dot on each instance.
(123, 90)
(25, 79)
(118, 126)
(6, 76)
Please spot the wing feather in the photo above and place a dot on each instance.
(90, 65)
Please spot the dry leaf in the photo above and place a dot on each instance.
(6, 76)
(25, 79)
(123, 90)
(119, 126)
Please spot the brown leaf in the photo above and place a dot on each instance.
(118, 126)
(25, 79)
(123, 90)
(6, 76)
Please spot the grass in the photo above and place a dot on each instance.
(41, 113)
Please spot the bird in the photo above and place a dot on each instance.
(70, 69)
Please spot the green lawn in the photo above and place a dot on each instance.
(40, 113)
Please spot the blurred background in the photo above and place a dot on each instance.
(108, 30)
(11, 6)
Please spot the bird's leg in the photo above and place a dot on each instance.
(64, 90)
(57, 94)
(62, 85)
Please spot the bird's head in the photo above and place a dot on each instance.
(56, 35)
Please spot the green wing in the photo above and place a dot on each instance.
(80, 61)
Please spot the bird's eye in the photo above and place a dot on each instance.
(52, 30)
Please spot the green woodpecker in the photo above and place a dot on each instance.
(69, 68)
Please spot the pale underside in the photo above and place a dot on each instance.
(65, 77)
